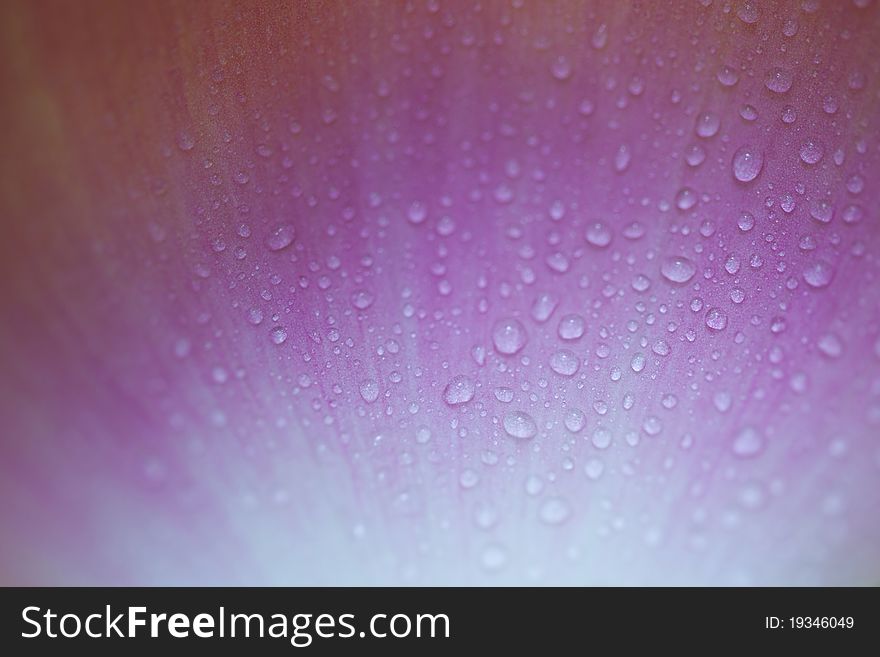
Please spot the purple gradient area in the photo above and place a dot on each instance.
(257, 260)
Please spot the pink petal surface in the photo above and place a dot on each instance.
(255, 257)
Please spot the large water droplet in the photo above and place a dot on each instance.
(747, 163)
(819, 274)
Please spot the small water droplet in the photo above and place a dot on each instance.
(716, 319)
(361, 299)
(811, 151)
(575, 419)
(748, 443)
(459, 390)
(601, 438)
(747, 163)
(677, 269)
(598, 234)
(278, 334)
(778, 80)
(564, 362)
(280, 237)
(369, 390)
(707, 125)
(819, 274)
(519, 424)
(571, 327)
(554, 511)
(509, 336)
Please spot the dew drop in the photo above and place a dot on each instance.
(599, 234)
(811, 152)
(746, 221)
(601, 438)
(707, 125)
(280, 237)
(361, 299)
(747, 163)
(369, 390)
(509, 336)
(564, 362)
(677, 269)
(778, 80)
(459, 390)
(185, 141)
(571, 327)
(278, 334)
(748, 12)
(716, 319)
(575, 419)
(554, 511)
(748, 443)
(685, 199)
(519, 424)
(417, 213)
(504, 394)
(819, 274)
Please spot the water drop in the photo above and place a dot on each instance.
(575, 419)
(564, 362)
(685, 199)
(369, 390)
(561, 68)
(819, 274)
(747, 11)
(417, 213)
(747, 163)
(677, 269)
(746, 221)
(280, 237)
(811, 151)
(571, 327)
(601, 438)
(459, 390)
(716, 319)
(707, 125)
(504, 394)
(599, 234)
(278, 334)
(543, 307)
(509, 336)
(778, 80)
(554, 511)
(361, 299)
(748, 442)
(519, 424)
